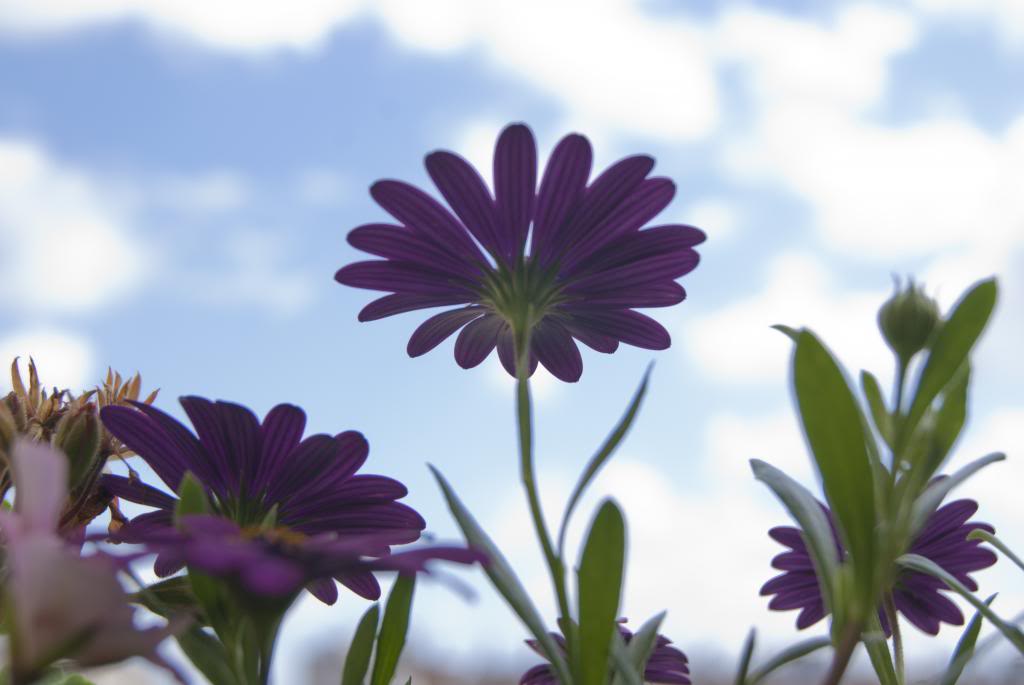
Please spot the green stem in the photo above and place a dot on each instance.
(843, 652)
(526, 471)
(897, 638)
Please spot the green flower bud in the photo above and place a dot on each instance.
(78, 435)
(908, 320)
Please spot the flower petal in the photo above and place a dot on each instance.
(515, 183)
(557, 351)
(477, 340)
(399, 303)
(467, 194)
(404, 277)
(632, 328)
(561, 190)
(439, 327)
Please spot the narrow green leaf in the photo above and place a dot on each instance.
(393, 629)
(357, 661)
(624, 669)
(878, 652)
(207, 654)
(602, 455)
(788, 331)
(834, 427)
(814, 526)
(949, 420)
(951, 347)
(964, 648)
(933, 495)
(641, 647)
(916, 562)
(191, 498)
(600, 590)
(998, 544)
(879, 413)
(788, 655)
(746, 654)
(504, 578)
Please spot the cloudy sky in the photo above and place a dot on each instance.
(177, 178)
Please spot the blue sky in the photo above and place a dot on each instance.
(176, 184)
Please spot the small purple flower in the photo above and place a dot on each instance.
(917, 596)
(588, 267)
(253, 471)
(275, 563)
(665, 665)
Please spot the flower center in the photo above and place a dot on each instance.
(523, 294)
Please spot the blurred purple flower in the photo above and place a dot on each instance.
(916, 595)
(252, 471)
(588, 266)
(63, 605)
(665, 665)
(276, 563)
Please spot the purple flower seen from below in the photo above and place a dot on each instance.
(275, 563)
(253, 471)
(665, 665)
(589, 265)
(917, 596)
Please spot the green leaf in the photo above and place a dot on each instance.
(625, 671)
(932, 496)
(814, 526)
(991, 539)
(207, 654)
(834, 427)
(916, 562)
(949, 421)
(640, 648)
(600, 590)
(879, 413)
(951, 347)
(788, 655)
(393, 629)
(964, 648)
(746, 654)
(504, 578)
(169, 597)
(357, 661)
(191, 498)
(602, 455)
(878, 652)
(788, 331)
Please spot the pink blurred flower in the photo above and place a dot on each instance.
(63, 605)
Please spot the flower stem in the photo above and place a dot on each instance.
(843, 652)
(524, 414)
(897, 638)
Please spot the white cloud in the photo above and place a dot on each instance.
(64, 244)
(64, 359)
(254, 274)
(735, 343)
(715, 216)
(609, 63)
(323, 188)
(212, 191)
(1006, 17)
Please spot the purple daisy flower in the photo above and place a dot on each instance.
(253, 471)
(588, 267)
(276, 563)
(665, 665)
(917, 596)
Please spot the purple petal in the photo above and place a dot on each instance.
(639, 245)
(477, 340)
(324, 589)
(399, 303)
(422, 213)
(467, 194)
(515, 183)
(362, 583)
(556, 350)
(272, 576)
(280, 433)
(400, 244)
(306, 463)
(439, 327)
(561, 190)
(632, 328)
(135, 490)
(148, 440)
(404, 277)
(663, 294)
(507, 353)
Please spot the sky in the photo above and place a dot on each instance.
(177, 180)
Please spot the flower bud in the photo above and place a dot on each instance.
(78, 435)
(8, 428)
(907, 320)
